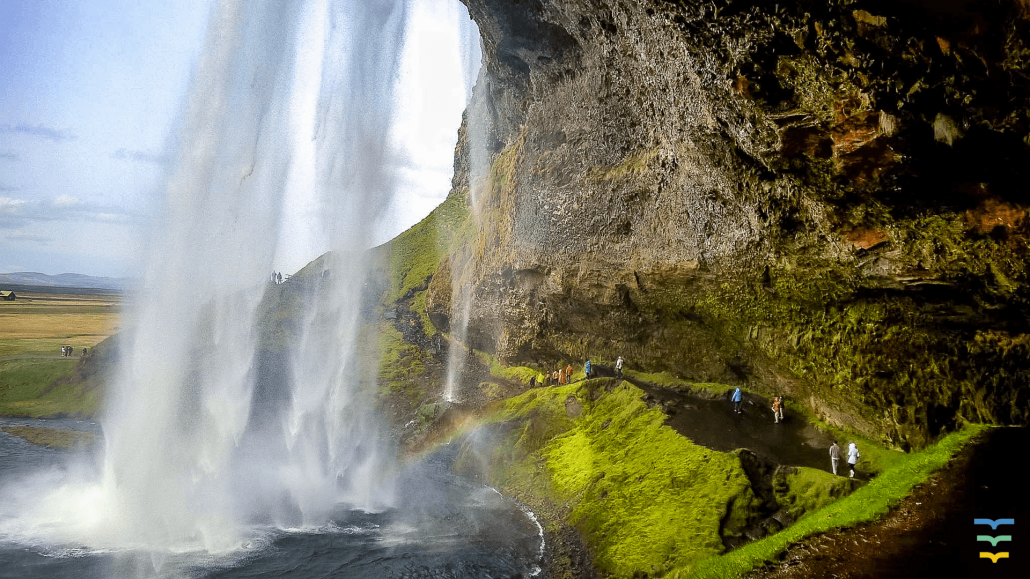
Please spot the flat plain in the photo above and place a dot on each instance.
(35, 379)
(38, 323)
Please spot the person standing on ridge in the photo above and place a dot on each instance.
(853, 457)
(834, 456)
(618, 368)
(736, 400)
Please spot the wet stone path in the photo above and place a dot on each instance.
(714, 424)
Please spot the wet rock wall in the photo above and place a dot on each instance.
(822, 199)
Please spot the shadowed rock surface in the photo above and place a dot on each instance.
(823, 199)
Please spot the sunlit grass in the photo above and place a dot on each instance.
(39, 324)
(644, 497)
(27, 389)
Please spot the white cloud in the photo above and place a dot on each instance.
(10, 206)
(67, 201)
(17, 213)
(41, 239)
(140, 156)
(111, 217)
(40, 130)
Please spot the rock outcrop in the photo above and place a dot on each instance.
(825, 199)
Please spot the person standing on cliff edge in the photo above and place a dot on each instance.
(736, 400)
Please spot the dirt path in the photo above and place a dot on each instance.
(712, 423)
(931, 533)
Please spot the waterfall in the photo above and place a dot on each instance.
(225, 418)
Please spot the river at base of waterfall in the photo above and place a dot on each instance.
(449, 528)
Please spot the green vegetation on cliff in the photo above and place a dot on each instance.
(31, 387)
(415, 254)
(866, 504)
(644, 498)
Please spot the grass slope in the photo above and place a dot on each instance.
(643, 497)
(415, 254)
(26, 389)
(865, 504)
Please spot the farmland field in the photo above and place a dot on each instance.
(40, 323)
(35, 380)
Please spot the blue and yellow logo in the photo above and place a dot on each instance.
(992, 539)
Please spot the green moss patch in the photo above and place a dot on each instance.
(803, 489)
(644, 497)
(399, 362)
(865, 504)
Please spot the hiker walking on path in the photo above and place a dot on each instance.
(586, 368)
(834, 456)
(568, 373)
(618, 368)
(777, 408)
(736, 400)
(853, 457)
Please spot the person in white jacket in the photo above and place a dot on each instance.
(853, 457)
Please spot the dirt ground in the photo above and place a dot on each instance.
(932, 532)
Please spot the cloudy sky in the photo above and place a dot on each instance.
(89, 96)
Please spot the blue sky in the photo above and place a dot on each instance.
(89, 92)
(89, 95)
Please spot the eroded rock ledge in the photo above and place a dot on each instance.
(826, 199)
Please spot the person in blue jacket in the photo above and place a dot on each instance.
(736, 400)
(587, 368)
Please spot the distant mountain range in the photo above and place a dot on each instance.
(28, 278)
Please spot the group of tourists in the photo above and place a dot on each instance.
(277, 277)
(559, 377)
(777, 409)
(68, 351)
(563, 376)
(853, 457)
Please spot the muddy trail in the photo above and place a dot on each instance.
(713, 423)
(932, 532)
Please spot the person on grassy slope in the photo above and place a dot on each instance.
(853, 457)
(834, 456)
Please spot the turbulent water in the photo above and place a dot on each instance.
(442, 526)
(229, 447)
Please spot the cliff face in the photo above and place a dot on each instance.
(825, 199)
